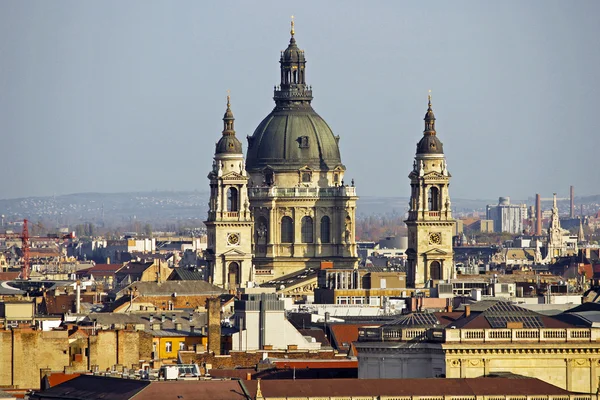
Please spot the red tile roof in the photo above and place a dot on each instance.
(9, 276)
(404, 387)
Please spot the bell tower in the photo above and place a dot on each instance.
(229, 224)
(430, 224)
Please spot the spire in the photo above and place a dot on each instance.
(228, 119)
(292, 90)
(292, 30)
(580, 235)
(429, 118)
(554, 201)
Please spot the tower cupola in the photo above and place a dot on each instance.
(429, 143)
(292, 89)
(228, 142)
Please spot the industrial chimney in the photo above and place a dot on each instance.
(572, 215)
(538, 215)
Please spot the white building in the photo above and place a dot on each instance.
(262, 325)
(507, 217)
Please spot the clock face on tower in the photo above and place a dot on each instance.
(233, 239)
(435, 238)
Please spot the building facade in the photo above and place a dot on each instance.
(303, 211)
(230, 224)
(507, 217)
(430, 223)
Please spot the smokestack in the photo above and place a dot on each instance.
(572, 215)
(78, 299)
(538, 215)
(467, 310)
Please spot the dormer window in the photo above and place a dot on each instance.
(303, 142)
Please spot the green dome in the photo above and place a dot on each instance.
(291, 139)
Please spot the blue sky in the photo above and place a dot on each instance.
(111, 96)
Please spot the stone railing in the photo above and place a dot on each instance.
(394, 334)
(522, 335)
(269, 192)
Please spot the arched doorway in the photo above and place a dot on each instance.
(233, 275)
(435, 270)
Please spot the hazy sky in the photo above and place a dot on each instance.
(114, 96)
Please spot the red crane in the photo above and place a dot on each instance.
(25, 239)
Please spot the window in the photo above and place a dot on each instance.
(169, 347)
(306, 177)
(287, 230)
(232, 199)
(181, 345)
(325, 230)
(307, 230)
(303, 142)
(269, 177)
(434, 199)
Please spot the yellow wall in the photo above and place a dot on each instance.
(175, 341)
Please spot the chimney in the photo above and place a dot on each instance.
(449, 305)
(538, 215)
(572, 215)
(151, 318)
(248, 376)
(467, 310)
(214, 325)
(163, 318)
(78, 299)
(192, 328)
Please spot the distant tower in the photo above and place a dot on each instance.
(555, 234)
(229, 224)
(572, 214)
(430, 223)
(580, 234)
(538, 215)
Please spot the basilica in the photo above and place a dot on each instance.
(286, 206)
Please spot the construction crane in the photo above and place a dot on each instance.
(25, 247)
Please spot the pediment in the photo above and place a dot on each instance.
(233, 252)
(435, 252)
(434, 175)
(233, 176)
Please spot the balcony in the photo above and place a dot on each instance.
(272, 192)
(543, 335)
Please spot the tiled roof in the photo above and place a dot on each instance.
(186, 274)
(184, 288)
(488, 314)
(292, 279)
(94, 387)
(404, 387)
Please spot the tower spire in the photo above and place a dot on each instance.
(292, 32)
(228, 118)
(429, 118)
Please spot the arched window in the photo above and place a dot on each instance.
(435, 270)
(307, 230)
(233, 275)
(325, 230)
(433, 199)
(287, 230)
(232, 199)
